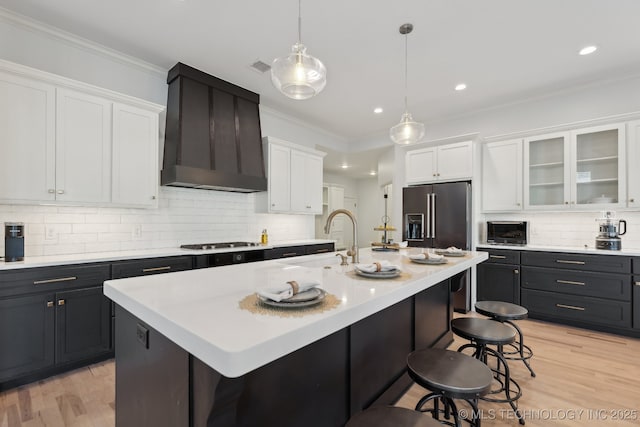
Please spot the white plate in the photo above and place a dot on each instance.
(379, 274)
(448, 253)
(291, 303)
(430, 261)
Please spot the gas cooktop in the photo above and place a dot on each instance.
(219, 245)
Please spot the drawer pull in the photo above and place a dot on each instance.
(564, 261)
(498, 256)
(58, 280)
(570, 282)
(290, 254)
(61, 302)
(149, 270)
(570, 307)
(319, 251)
(637, 283)
(49, 304)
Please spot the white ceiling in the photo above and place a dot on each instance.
(504, 50)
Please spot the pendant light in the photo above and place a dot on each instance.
(299, 75)
(407, 131)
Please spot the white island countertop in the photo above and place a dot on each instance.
(199, 309)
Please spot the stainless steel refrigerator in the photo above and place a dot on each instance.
(439, 216)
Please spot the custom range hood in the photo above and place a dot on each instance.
(213, 139)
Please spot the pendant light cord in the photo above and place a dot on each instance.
(406, 71)
(299, 21)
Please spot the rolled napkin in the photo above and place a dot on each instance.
(377, 266)
(426, 255)
(453, 249)
(286, 290)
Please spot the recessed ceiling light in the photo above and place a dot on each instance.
(344, 166)
(372, 173)
(461, 86)
(587, 50)
(378, 110)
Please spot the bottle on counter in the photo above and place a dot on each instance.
(264, 238)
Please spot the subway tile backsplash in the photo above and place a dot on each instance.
(569, 228)
(183, 216)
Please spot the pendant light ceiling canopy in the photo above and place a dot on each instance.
(299, 75)
(407, 131)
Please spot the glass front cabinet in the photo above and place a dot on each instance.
(583, 168)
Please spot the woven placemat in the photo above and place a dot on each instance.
(403, 276)
(252, 303)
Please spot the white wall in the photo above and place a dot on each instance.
(371, 211)
(184, 216)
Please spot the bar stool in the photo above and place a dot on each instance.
(506, 312)
(391, 416)
(449, 375)
(484, 332)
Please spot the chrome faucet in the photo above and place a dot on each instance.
(354, 249)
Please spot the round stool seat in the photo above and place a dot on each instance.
(501, 310)
(391, 416)
(483, 331)
(455, 374)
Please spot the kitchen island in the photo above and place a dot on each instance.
(188, 355)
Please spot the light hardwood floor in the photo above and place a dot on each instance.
(591, 377)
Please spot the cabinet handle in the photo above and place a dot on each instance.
(637, 283)
(51, 191)
(564, 261)
(49, 304)
(308, 207)
(148, 270)
(60, 191)
(153, 197)
(632, 200)
(319, 251)
(290, 254)
(273, 204)
(498, 256)
(570, 307)
(516, 271)
(438, 174)
(60, 302)
(570, 282)
(566, 203)
(434, 174)
(518, 204)
(58, 280)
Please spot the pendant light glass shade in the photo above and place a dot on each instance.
(299, 75)
(407, 131)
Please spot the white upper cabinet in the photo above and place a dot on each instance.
(135, 156)
(502, 176)
(441, 163)
(547, 171)
(306, 183)
(633, 164)
(83, 147)
(70, 143)
(579, 169)
(598, 168)
(27, 140)
(279, 178)
(294, 176)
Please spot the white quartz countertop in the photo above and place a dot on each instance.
(199, 311)
(53, 260)
(567, 249)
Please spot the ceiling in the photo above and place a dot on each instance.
(504, 50)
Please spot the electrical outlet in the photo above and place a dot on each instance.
(50, 232)
(137, 231)
(142, 334)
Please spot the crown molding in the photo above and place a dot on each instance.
(78, 42)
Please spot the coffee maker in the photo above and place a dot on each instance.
(13, 241)
(610, 231)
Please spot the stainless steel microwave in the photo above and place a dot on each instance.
(507, 232)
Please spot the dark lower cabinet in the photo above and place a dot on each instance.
(498, 282)
(636, 302)
(433, 314)
(83, 324)
(379, 347)
(26, 335)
